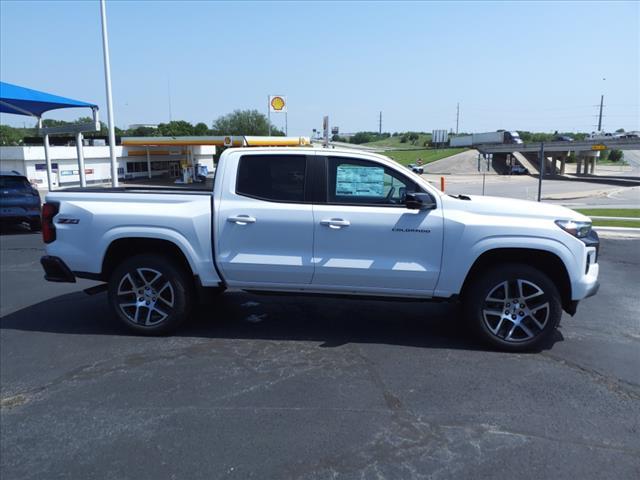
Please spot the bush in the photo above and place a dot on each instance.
(616, 155)
(361, 137)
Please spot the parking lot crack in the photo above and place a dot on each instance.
(626, 389)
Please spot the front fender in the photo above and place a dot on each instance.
(457, 265)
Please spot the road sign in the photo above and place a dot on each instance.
(598, 147)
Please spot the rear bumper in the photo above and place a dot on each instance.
(55, 270)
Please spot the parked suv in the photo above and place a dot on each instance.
(19, 200)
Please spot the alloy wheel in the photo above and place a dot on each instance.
(516, 311)
(145, 296)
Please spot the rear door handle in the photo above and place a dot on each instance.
(335, 223)
(242, 219)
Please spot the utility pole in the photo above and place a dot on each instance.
(457, 117)
(380, 124)
(269, 113)
(169, 98)
(540, 170)
(600, 116)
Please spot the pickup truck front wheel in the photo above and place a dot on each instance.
(151, 294)
(513, 307)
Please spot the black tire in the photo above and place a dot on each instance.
(35, 225)
(522, 326)
(153, 306)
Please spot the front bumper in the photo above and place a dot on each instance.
(55, 270)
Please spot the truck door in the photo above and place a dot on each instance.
(265, 225)
(366, 237)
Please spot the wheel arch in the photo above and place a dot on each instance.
(123, 248)
(547, 262)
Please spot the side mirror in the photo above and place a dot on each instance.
(419, 201)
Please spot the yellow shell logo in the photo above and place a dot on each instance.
(277, 103)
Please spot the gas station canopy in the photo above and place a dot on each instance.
(220, 141)
(25, 101)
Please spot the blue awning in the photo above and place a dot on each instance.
(24, 101)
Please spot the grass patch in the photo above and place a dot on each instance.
(609, 163)
(405, 157)
(394, 142)
(610, 212)
(616, 223)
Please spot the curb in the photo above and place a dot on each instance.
(618, 232)
(617, 229)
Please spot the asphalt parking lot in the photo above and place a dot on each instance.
(289, 387)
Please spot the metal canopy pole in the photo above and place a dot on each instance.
(47, 156)
(540, 170)
(107, 79)
(148, 163)
(81, 172)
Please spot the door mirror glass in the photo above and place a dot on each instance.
(419, 201)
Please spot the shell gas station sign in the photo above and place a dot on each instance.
(277, 103)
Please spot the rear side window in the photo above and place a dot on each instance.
(276, 178)
(14, 182)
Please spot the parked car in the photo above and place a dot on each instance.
(357, 223)
(19, 200)
(519, 170)
(416, 168)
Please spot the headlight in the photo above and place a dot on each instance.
(577, 229)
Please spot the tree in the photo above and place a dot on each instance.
(616, 155)
(361, 137)
(201, 129)
(142, 132)
(175, 128)
(10, 135)
(620, 130)
(50, 122)
(244, 122)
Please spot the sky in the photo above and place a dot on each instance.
(538, 66)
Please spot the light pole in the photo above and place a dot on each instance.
(601, 105)
(107, 81)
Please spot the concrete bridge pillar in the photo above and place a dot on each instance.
(592, 170)
(578, 165)
(563, 161)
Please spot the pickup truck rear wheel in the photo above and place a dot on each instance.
(513, 307)
(151, 294)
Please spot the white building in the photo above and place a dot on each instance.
(133, 162)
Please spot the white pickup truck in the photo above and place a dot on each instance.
(317, 221)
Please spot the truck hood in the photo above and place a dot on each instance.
(511, 207)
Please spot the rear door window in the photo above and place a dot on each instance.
(275, 178)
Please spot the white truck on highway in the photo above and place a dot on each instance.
(501, 136)
(332, 222)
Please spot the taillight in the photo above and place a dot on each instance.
(49, 210)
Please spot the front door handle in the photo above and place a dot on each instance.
(335, 223)
(242, 219)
